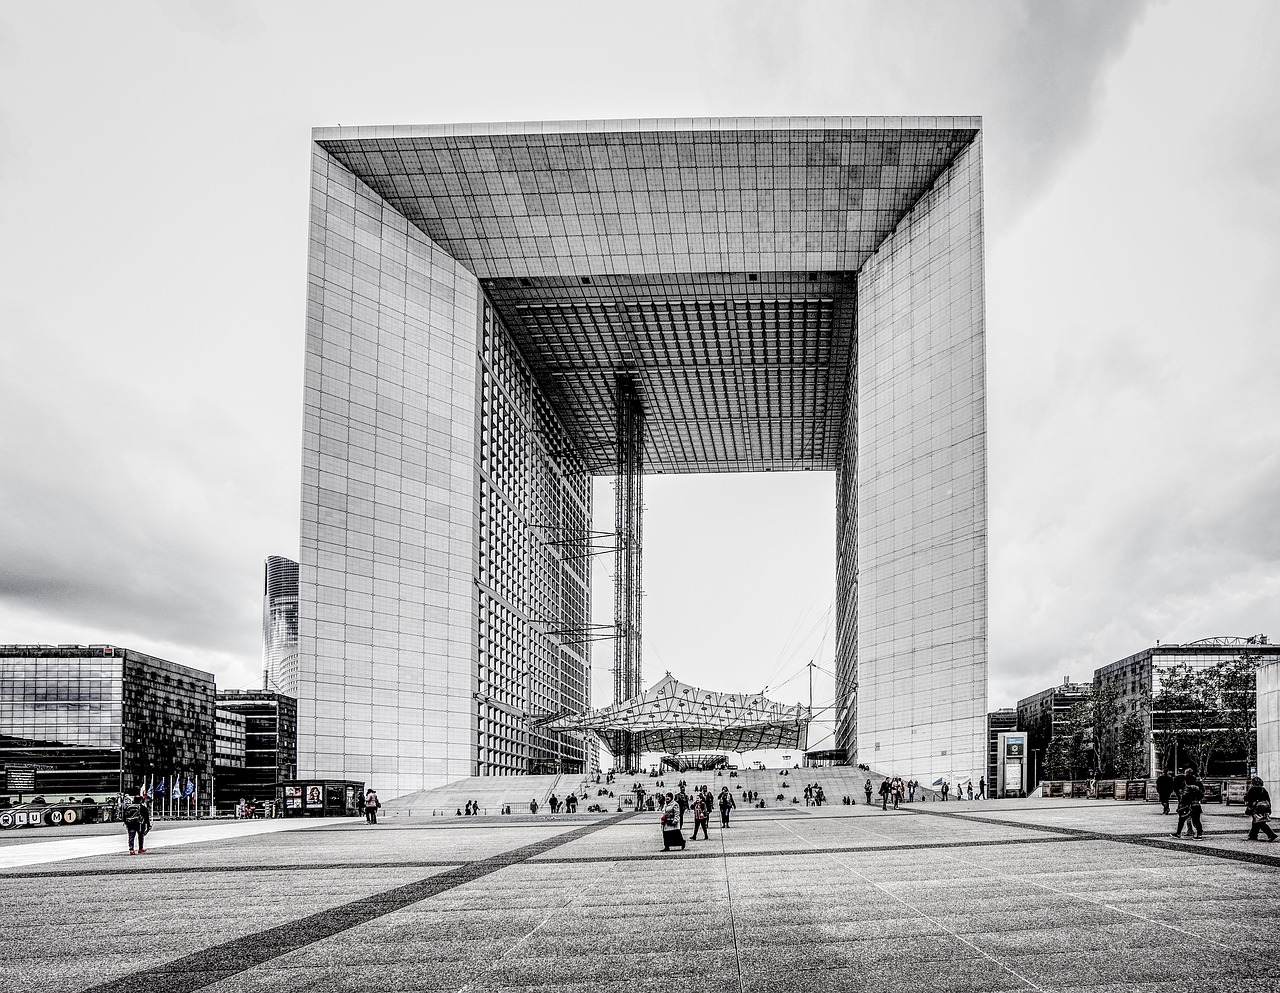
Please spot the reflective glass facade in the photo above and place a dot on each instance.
(268, 724)
(99, 718)
(280, 625)
(1136, 682)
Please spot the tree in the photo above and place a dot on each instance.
(1206, 712)
(1067, 755)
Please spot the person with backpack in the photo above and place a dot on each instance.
(1257, 803)
(1189, 807)
(137, 821)
(726, 805)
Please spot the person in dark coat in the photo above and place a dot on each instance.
(137, 821)
(726, 805)
(1257, 803)
(1164, 788)
(1189, 806)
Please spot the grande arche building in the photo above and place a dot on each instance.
(499, 313)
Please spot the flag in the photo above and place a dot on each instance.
(160, 787)
(191, 787)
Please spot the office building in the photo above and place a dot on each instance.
(280, 625)
(268, 724)
(1135, 709)
(499, 313)
(1045, 716)
(998, 721)
(101, 719)
(1268, 687)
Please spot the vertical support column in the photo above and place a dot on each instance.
(628, 479)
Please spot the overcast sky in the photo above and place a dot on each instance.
(153, 223)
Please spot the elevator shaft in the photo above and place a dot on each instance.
(628, 512)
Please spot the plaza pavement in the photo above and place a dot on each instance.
(1068, 895)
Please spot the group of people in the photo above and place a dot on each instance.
(676, 806)
(1187, 793)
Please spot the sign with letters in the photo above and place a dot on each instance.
(20, 780)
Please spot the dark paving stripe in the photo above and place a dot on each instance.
(1164, 844)
(212, 965)
(151, 870)
(801, 852)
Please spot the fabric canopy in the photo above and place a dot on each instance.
(674, 717)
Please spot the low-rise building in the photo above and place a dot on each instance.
(1004, 719)
(1043, 716)
(1140, 729)
(100, 719)
(270, 752)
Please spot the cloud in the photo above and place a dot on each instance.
(1034, 71)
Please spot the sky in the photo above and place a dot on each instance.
(153, 223)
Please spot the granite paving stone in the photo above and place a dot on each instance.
(1047, 895)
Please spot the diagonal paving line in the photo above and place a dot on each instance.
(1144, 841)
(179, 870)
(1084, 835)
(1102, 903)
(573, 897)
(925, 915)
(211, 965)
(733, 924)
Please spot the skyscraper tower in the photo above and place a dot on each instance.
(280, 625)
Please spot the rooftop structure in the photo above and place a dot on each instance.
(675, 718)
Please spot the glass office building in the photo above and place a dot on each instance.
(1135, 683)
(268, 746)
(280, 625)
(775, 294)
(101, 719)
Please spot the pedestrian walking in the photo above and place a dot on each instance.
(701, 812)
(670, 819)
(1189, 807)
(867, 787)
(682, 801)
(1164, 789)
(982, 787)
(1257, 803)
(885, 790)
(726, 805)
(137, 821)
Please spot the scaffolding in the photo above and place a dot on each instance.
(628, 509)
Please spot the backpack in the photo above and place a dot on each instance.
(1192, 795)
(132, 815)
